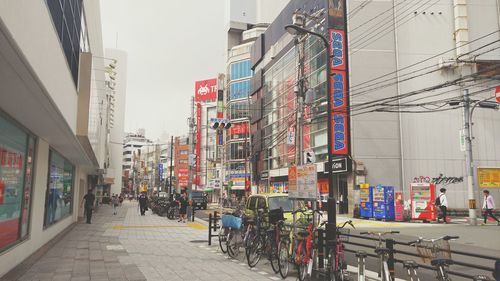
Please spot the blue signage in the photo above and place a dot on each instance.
(160, 171)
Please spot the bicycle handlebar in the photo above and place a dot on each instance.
(378, 233)
(445, 238)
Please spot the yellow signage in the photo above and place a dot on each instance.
(488, 177)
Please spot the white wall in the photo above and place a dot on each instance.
(38, 41)
(117, 133)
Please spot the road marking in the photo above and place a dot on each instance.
(262, 272)
(274, 278)
(114, 247)
(195, 225)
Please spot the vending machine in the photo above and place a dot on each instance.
(399, 206)
(383, 202)
(422, 196)
(366, 206)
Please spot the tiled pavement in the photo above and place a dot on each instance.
(133, 247)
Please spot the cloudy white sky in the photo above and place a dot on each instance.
(170, 45)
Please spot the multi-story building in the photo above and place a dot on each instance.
(181, 164)
(245, 21)
(52, 150)
(403, 126)
(117, 127)
(131, 162)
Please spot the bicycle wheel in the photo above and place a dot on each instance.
(301, 265)
(233, 247)
(254, 251)
(223, 239)
(332, 273)
(283, 257)
(273, 255)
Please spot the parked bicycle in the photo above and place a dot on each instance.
(304, 250)
(337, 266)
(263, 243)
(436, 252)
(383, 254)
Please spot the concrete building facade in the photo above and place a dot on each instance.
(51, 151)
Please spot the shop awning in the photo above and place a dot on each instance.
(208, 190)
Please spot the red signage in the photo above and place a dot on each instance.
(338, 95)
(497, 93)
(205, 90)
(239, 129)
(198, 144)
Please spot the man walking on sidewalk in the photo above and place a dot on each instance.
(89, 199)
(143, 203)
(488, 207)
(443, 205)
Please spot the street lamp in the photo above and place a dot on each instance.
(297, 29)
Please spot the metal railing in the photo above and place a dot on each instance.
(399, 254)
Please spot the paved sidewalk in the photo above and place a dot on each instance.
(133, 247)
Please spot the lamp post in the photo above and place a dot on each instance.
(297, 29)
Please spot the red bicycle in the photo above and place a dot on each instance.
(337, 267)
(304, 248)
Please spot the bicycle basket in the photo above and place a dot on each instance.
(276, 215)
(231, 221)
(437, 250)
(343, 234)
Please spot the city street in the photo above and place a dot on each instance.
(133, 247)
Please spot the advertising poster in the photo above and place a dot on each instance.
(488, 177)
(306, 182)
(292, 182)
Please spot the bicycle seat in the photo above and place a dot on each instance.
(382, 251)
(361, 254)
(441, 262)
(302, 233)
(410, 264)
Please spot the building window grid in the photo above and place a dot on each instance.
(274, 106)
(66, 16)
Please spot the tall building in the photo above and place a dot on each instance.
(405, 114)
(52, 119)
(131, 161)
(245, 22)
(117, 129)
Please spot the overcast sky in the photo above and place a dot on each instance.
(170, 45)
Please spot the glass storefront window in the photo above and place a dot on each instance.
(16, 173)
(59, 196)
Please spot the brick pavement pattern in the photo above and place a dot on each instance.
(128, 246)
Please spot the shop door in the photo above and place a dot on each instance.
(342, 194)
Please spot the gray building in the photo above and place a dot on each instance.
(405, 114)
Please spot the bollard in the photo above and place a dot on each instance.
(209, 229)
(321, 248)
(389, 244)
(192, 213)
(215, 221)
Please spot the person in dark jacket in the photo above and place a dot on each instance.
(143, 203)
(89, 199)
(183, 205)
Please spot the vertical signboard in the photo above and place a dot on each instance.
(292, 181)
(338, 79)
(198, 144)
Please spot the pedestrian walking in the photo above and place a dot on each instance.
(88, 199)
(143, 203)
(115, 202)
(488, 207)
(443, 205)
(183, 204)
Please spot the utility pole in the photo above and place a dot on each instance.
(171, 166)
(191, 149)
(469, 167)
